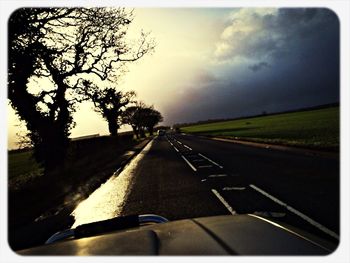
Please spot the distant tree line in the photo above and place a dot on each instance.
(73, 50)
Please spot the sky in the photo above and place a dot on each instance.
(225, 63)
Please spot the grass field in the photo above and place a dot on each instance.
(84, 156)
(21, 166)
(312, 129)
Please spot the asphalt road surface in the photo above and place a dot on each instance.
(184, 176)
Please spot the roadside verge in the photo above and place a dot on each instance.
(285, 148)
(25, 230)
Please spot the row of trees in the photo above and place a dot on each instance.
(69, 52)
(119, 108)
(141, 118)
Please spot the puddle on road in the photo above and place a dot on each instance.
(108, 200)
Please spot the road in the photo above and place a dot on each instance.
(184, 176)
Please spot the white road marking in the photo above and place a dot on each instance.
(233, 188)
(193, 168)
(217, 175)
(210, 160)
(198, 160)
(179, 142)
(173, 146)
(205, 166)
(222, 200)
(188, 147)
(296, 212)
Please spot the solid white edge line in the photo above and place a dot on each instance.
(222, 200)
(193, 168)
(296, 212)
(211, 160)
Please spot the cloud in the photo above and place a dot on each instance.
(272, 60)
(258, 66)
(268, 34)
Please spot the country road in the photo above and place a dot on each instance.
(184, 176)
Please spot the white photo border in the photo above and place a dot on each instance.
(340, 7)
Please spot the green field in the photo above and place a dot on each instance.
(84, 158)
(22, 167)
(312, 129)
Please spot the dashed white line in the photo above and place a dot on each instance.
(193, 168)
(217, 175)
(233, 188)
(187, 147)
(205, 166)
(296, 212)
(210, 160)
(222, 200)
(176, 149)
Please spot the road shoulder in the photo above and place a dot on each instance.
(291, 149)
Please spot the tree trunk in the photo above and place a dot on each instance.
(142, 133)
(113, 127)
(48, 135)
(50, 146)
(135, 131)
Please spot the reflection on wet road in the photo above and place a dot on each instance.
(108, 200)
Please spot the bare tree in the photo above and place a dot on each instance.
(64, 47)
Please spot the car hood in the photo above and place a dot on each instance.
(217, 235)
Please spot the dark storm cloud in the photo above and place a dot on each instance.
(254, 34)
(298, 50)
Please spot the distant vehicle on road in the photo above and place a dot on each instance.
(161, 132)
